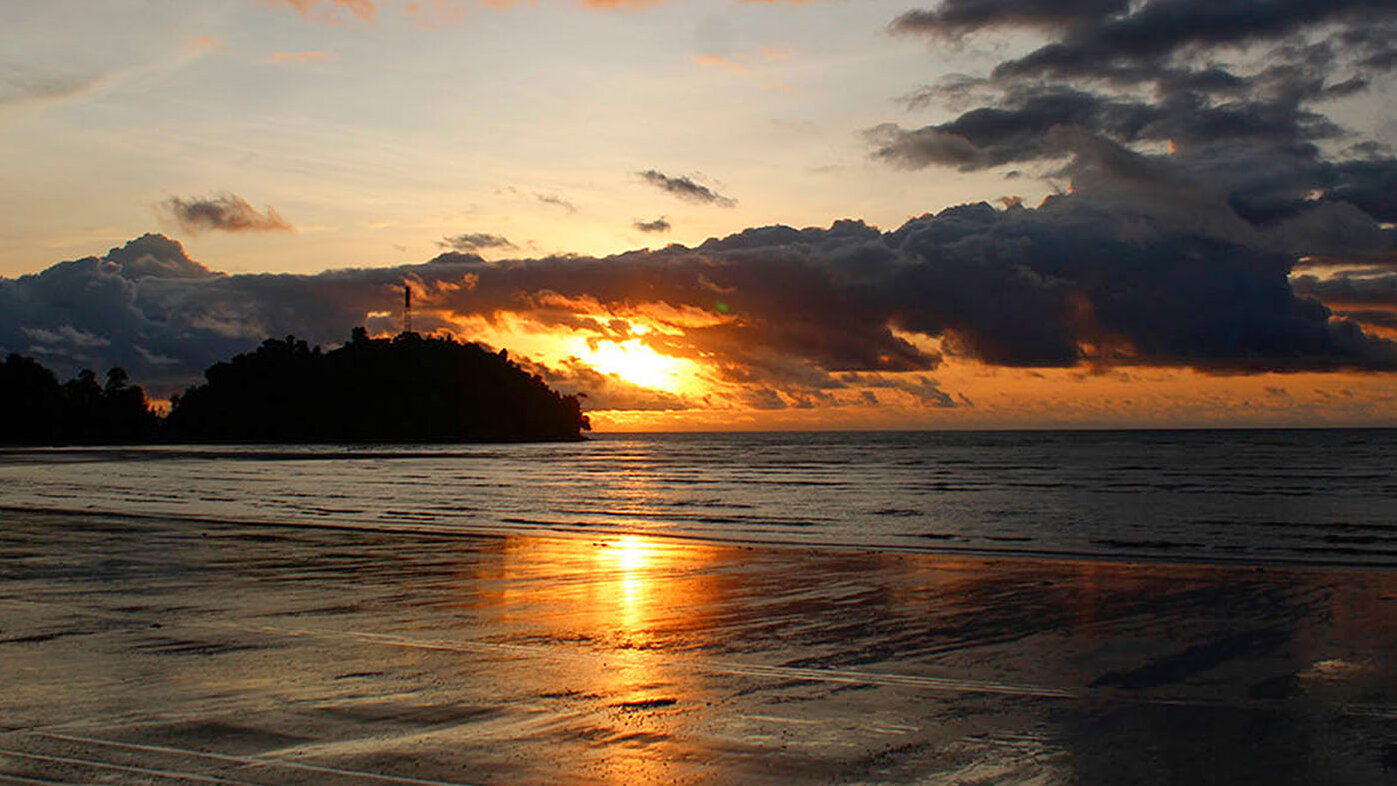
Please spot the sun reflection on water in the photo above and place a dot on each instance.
(632, 554)
(630, 609)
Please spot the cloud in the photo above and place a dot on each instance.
(752, 64)
(929, 393)
(474, 241)
(298, 57)
(685, 188)
(327, 11)
(926, 392)
(65, 334)
(619, 4)
(145, 306)
(557, 201)
(659, 225)
(207, 43)
(1014, 131)
(224, 212)
(1095, 279)
(20, 84)
(1194, 72)
(1371, 289)
(1234, 92)
(714, 61)
(605, 391)
(954, 19)
(434, 13)
(1092, 36)
(155, 256)
(1155, 30)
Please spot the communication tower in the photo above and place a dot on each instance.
(407, 308)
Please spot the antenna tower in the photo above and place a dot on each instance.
(407, 308)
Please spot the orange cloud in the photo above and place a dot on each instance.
(744, 63)
(206, 43)
(439, 13)
(315, 10)
(714, 61)
(619, 4)
(298, 57)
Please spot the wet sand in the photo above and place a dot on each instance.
(154, 651)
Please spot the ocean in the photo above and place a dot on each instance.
(1302, 496)
(1027, 609)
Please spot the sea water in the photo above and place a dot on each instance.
(1307, 496)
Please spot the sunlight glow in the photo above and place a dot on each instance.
(634, 362)
(632, 553)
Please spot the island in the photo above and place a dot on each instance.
(409, 388)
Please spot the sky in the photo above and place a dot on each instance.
(727, 214)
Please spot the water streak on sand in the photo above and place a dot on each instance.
(144, 648)
(257, 761)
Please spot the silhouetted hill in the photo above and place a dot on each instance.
(36, 410)
(407, 389)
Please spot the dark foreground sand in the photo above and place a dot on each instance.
(159, 652)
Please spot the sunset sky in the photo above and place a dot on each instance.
(1006, 213)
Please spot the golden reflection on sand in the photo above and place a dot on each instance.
(236, 653)
(626, 606)
(631, 555)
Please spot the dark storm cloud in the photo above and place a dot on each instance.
(763, 398)
(1135, 268)
(155, 256)
(660, 224)
(955, 18)
(474, 241)
(924, 390)
(1160, 70)
(1372, 316)
(1234, 90)
(685, 188)
(145, 306)
(930, 394)
(1015, 131)
(1367, 290)
(1103, 35)
(224, 212)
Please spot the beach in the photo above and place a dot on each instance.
(632, 392)
(155, 649)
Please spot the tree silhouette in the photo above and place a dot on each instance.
(405, 389)
(31, 403)
(36, 410)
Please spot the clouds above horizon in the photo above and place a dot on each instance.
(435, 11)
(685, 188)
(657, 226)
(471, 242)
(1087, 280)
(21, 84)
(225, 212)
(327, 11)
(1238, 93)
(1225, 193)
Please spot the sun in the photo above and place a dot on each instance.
(636, 363)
